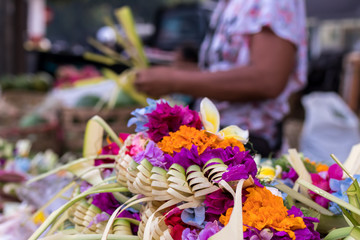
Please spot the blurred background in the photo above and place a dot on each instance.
(54, 78)
(44, 41)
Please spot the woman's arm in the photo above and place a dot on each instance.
(272, 61)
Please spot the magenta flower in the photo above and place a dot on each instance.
(106, 202)
(236, 173)
(335, 172)
(217, 203)
(292, 175)
(165, 119)
(184, 158)
(240, 163)
(322, 180)
(111, 149)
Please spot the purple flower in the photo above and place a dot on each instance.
(292, 175)
(106, 202)
(309, 232)
(218, 202)
(84, 186)
(209, 154)
(99, 218)
(211, 228)
(2, 162)
(184, 158)
(151, 153)
(265, 234)
(235, 173)
(188, 234)
(251, 233)
(165, 119)
(239, 162)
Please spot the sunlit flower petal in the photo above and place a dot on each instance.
(235, 132)
(210, 116)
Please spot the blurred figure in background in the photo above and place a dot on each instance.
(251, 60)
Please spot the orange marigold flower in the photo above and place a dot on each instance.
(322, 167)
(231, 142)
(186, 137)
(225, 219)
(262, 209)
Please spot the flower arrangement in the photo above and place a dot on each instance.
(177, 177)
(322, 188)
(321, 176)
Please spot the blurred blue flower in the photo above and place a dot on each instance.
(140, 118)
(22, 164)
(194, 216)
(340, 187)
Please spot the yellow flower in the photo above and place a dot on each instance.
(266, 173)
(39, 218)
(262, 210)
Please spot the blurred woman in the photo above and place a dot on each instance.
(252, 59)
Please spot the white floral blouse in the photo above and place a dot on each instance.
(227, 45)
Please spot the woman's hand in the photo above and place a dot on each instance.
(156, 81)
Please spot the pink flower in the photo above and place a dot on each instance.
(322, 180)
(137, 145)
(165, 119)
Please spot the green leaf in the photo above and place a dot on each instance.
(328, 196)
(353, 193)
(339, 233)
(298, 196)
(93, 138)
(349, 216)
(124, 15)
(329, 223)
(54, 215)
(355, 233)
(76, 167)
(107, 129)
(99, 58)
(62, 236)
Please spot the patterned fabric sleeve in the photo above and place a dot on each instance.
(284, 17)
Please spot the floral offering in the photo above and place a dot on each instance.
(321, 176)
(179, 177)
